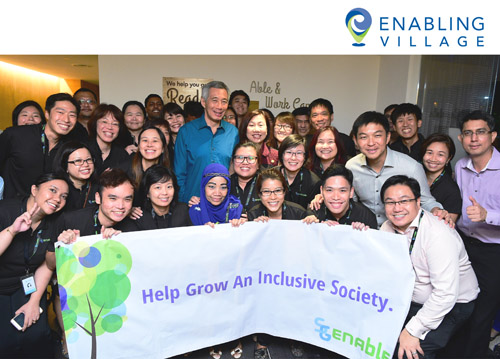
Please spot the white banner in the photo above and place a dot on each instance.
(155, 294)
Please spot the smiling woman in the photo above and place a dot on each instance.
(256, 127)
(27, 227)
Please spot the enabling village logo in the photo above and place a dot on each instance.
(358, 29)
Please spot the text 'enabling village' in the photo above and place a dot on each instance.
(353, 293)
(439, 29)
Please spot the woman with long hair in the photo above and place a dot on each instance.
(437, 151)
(256, 127)
(176, 118)
(325, 149)
(27, 226)
(284, 125)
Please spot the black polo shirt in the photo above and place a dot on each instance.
(178, 216)
(446, 191)
(291, 211)
(413, 152)
(27, 250)
(248, 196)
(86, 221)
(117, 157)
(79, 133)
(24, 156)
(304, 187)
(357, 212)
(80, 198)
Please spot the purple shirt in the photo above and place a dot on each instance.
(485, 188)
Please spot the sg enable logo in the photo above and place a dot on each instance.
(358, 22)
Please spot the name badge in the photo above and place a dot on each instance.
(28, 282)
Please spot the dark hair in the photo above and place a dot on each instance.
(337, 170)
(164, 160)
(291, 141)
(83, 89)
(60, 163)
(244, 126)
(406, 109)
(243, 145)
(229, 108)
(390, 107)
(193, 108)
(17, 110)
(238, 93)
(113, 178)
(150, 96)
(314, 163)
(321, 102)
(52, 99)
(478, 115)
(439, 137)
(173, 109)
(213, 85)
(272, 173)
(136, 103)
(287, 118)
(301, 111)
(412, 183)
(47, 177)
(271, 115)
(370, 117)
(102, 110)
(155, 174)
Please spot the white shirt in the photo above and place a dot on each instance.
(443, 272)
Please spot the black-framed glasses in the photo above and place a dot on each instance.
(298, 154)
(79, 162)
(403, 202)
(268, 193)
(283, 127)
(240, 159)
(479, 133)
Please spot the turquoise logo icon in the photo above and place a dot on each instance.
(358, 21)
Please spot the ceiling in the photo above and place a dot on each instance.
(72, 67)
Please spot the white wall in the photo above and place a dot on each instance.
(354, 84)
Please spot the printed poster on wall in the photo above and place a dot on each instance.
(182, 89)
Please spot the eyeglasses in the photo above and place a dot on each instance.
(267, 193)
(403, 202)
(479, 133)
(79, 162)
(283, 127)
(85, 101)
(240, 159)
(298, 154)
(229, 117)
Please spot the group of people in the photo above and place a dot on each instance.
(81, 168)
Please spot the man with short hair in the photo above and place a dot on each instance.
(88, 102)
(154, 106)
(26, 152)
(303, 123)
(114, 199)
(239, 100)
(445, 284)
(407, 119)
(321, 115)
(387, 113)
(205, 140)
(478, 176)
(338, 206)
(193, 110)
(377, 162)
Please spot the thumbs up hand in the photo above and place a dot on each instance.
(476, 212)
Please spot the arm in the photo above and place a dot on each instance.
(180, 161)
(21, 224)
(31, 308)
(428, 201)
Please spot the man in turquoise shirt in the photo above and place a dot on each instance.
(203, 141)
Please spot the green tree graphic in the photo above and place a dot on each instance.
(93, 286)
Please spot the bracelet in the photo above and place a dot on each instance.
(8, 230)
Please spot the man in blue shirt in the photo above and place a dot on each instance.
(203, 141)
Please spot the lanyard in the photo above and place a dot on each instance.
(27, 257)
(249, 192)
(96, 226)
(282, 212)
(414, 236)
(348, 214)
(89, 186)
(299, 193)
(437, 178)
